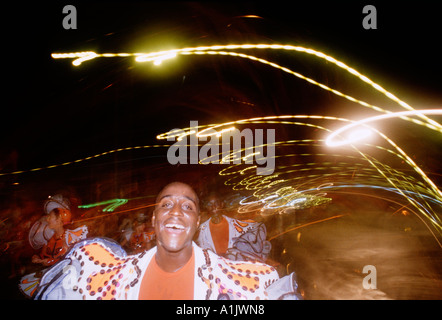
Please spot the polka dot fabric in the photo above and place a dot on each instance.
(105, 272)
(235, 280)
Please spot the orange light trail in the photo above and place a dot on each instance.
(305, 225)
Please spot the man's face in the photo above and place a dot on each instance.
(214, 206)
(176, 217)
(54, 221)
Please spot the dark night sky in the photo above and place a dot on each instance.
(54, 112)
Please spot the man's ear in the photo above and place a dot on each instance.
(153, 219)
(198, 222)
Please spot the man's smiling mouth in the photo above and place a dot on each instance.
(174, 226)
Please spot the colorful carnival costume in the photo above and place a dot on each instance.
(53, 247)
(235, 239)
(100, 269)
(54, 250)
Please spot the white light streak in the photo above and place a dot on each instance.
(356, 137)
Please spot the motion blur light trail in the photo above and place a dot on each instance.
(278, 120)
(356, 196)
(82, 159)
(281, 192)
(159, 56)
(278, 193)
(114, 213)
(355, 138)
(111, 204)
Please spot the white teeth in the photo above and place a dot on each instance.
(175, 226)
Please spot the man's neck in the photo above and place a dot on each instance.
(217, 218)
(173, 261)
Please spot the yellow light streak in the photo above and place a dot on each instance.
(82, 159)
(159, 56)
(265, 187)
(271, 119)
(310, 174)
(329, 141)
(157, 59)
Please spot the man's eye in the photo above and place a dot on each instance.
(166, 205)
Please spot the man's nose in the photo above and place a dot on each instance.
(176, 210)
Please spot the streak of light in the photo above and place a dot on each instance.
(157, 59)
(111, 204)
(82, 159)
(329, 141)
(272, 119)
(113, 213)
(305, 225)
(217, 49)
(418, 191)
(252, 16)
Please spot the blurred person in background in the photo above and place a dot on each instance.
(142, 236)
(230, 237)
(49, 234)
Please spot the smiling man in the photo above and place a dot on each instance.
(176, 269)
(176, 219)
